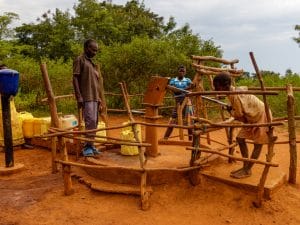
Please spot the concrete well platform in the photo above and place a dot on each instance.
(11, 170)
(177, 157)
(220, 171)
(163, 166)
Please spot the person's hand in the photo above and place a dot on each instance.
(230, 120)
(227, 107)
(80, 104)
(100, 106)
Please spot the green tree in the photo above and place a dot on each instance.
(111, 23)
(144, 57)
(52, 37)
(5, 20)
(297, 39)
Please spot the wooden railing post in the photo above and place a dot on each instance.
(292, 134)
(271, 138)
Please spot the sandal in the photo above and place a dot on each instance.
(241, 174)
(88, 152)
(95, 150)
(235, 171)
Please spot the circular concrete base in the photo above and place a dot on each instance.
(11, 170)
(166, 168)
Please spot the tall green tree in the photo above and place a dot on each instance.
(111, 23)
(51, 37)
(5, 21)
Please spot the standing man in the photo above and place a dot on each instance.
(247, 109)
(183, 83)
(87, 92)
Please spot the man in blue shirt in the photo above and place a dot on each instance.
(183, 83)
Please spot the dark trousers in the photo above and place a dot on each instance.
(90, 117)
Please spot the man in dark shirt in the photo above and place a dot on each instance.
(87, 91)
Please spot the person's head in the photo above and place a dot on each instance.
(90, 48)
(181, 71)
(222, 82)
(3, 66)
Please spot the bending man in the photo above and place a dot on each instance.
(247, 109)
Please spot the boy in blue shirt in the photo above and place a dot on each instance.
(183, 83)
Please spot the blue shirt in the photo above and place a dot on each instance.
(181, 84)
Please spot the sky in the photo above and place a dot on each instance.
(264, 27)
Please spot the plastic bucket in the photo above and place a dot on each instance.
(27, 127)
(24, 115)
(41, 125)
(127, 134)
(9, 82)
(101, 132)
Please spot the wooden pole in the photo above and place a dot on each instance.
(66, 169)
(195, 154)
(230, 141)
(271, 138)
(234, 157)
(50, 95)
(134, 127)
(68, 190)
(135, 169)
(103, 113)
(97, 136)
(209, 127)
(250, 92)
(180, 117)
(200, 104)
(138, 144)
(216, 69)
(230, 130)
(7, 131)
(53, 111)
(145, 203)
(292, 135)
(274, 88)
(214, 59)
(53, 154)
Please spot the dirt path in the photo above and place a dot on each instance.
(35, 197)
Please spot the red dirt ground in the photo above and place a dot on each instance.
(34, 196)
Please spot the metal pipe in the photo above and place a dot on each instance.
(7, 131)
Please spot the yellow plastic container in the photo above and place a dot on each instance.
(41, 125)
(24, 115)
(27, 127)
(16, 126)
(127, 134)
(101, 132)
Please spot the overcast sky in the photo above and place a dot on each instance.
(265, 27)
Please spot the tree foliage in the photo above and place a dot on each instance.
(135, 44)
(5, 21)
(113, 23)
(51, 37)
(55, 34)
(297, 39)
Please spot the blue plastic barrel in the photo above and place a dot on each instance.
(9, 82)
